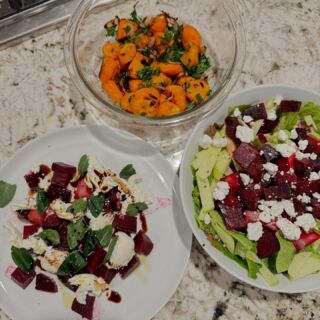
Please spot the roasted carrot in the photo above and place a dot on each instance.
(184, 80)
(127, 53)
(145, 102)
(135, 85)
(167, 108)
(191, 57)
(136, 64)
(176, 95)
(126, 27)
(191, 36)
(162, 98)
(160, 81)
(111, 50)
(171, 69)
(197, 90)
(112, 89)
(143, 41)
(159, 24)
(125, 101)
(160, 43)
(109, 70)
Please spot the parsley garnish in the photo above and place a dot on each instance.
(147, 72)
(198, 70)
(127, 29)
(134, 16)
(190, 106)
(173, 53)
(111, 32)
(199, 98)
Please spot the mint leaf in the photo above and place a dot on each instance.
(22, 258)
(96, 204)
(127, 172)
(134, 209)
(90, 243)
(104, 235)
(71, 265)
(76, 232)
(83, 165)
(78, 206)
(42, 202)
(7, 192)
(50, 235)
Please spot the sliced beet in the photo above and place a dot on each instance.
(29, 230)
(125, 223)
(106, 274)
(255, 170)
(142, 243)
(112, 201)
(231, 128)
(23, 214)
(250, 197)
(303, 167)
(262, 138)
(280, 191)
(269, 153)
(61, 179)
(257, 111)
(316, 209)
(302, 186)
(268, 244)
(245, 154)
(32, 180)
(268, 126)
(22, 278)
(286, 177)
(64, 168)
(45, 283)
(233, 217)
(85, 310)
(302, 133)
(56, 192)
(290, 106)
(63, 233)
(283, 164)
(314, 186)
(299, 207)
(51, 220)
(65, 281)
(132, 265)
(233, 180)
(232, 199)
(313, 145)
(95, 259)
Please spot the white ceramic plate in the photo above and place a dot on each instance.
(250, 96)
(143, 293)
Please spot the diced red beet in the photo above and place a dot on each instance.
(231, 128)
(269, 153)
(61, 179)
(56, 192)
(255, 170)
(233, 217)
(286, 177)
(22, 278)
(125, 223)
(23, 214)
(32, 180)
(142, 243)
(45, 283)
(232, 199)
(250, 196)
(63, 232)
(314, 186)
(65, 281)
(132, 265)
(245, 154)
(305, 240)
(85, 310)
(268, 244)
(283, 164)
(302, 133)
(29, 230)
(316, 209)
(303, 167)
(64, 168)
(51, 220)
(280, 191)
(35, 217)
(257, 111)
(290, 106)
(313, 145)
(233, 180)
(268, 126)
(302, 186)
(105, 273)
(299, 206)
(262, 138)
(251, 216)
(95, 259)
(112, 201)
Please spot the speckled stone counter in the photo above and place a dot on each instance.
(36, 96)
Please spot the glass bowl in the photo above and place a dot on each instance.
(218, 21)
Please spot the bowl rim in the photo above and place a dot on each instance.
(209, 106)
(185, 165)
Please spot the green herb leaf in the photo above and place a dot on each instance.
(22, 258)
(104, 235)
(173, 53)
(127, 28)
(147, 73)
(177, 31)
(83, 165)
(90, 243)
(42, 202)
(50, 235)
(168, 36)
(76, 232)
(71, 265)
(199, 98)
(134, 16)
(127, 172)
(198, 70)
(133, 209)
(110, 249)
(78, 206)
(96, 204)
(111, 32)
(190, 106)
(7, 192)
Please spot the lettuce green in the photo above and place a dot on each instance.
(288, 121)
(311, 109)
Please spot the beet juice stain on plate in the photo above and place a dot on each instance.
(114, 297)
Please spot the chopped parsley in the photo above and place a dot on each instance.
(134, 16)
(147, 73)
(198, 70)
(111, 32)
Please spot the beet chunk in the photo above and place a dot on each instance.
(231, 128)
(299, 206)
(268, 244)
(290, 106)
(29, 230)
(63, 232)
(132, 265)
(22, 278)
(85, 310)
(56, 192)
(269, 153)
(95, 259)
(142, 243)
(257, 111)
(125, 223)
(302, 186)
(64, 168)
(268, 126)
(106, 274)
(51, 220)
(233, 217)
(245, 154)
(303, 167)
(302, 133)
(250, 197)
(280, 191)
(45, 283)
(255, 170)
(316, 209)
(32, 180)
(112, 201)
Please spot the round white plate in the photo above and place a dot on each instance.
(250, 96)
(146, 291)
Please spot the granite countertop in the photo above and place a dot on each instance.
(36, 96)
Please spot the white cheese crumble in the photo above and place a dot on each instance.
(278, 100)
(276, 208)
(244, 134)
(236, 112)
(265, 217)
(306, 222)
(303, 144)
(32, 243)
(266, 177)
(52, 260)
(247, 119)
(46, 181)
(289, 230)
(285, 150)
(316, 195)
(220, 142)
(309, 208)
(271, 168)
(245, 179)
(289, 208)
(207, 219)
(99, 222)
(303, 198)
(314, 176)
(313, 156)
(221, 191)
(256, 187)
(254, 231)
(282, 136)
(60, 209)
(205, 141)
(293, 134)
(301, 156)
(272, 115)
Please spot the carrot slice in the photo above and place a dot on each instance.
(191, 36)
(171, 69)
(127, 53)
(109, 70)
(178, 96)
(143, 41)
(197, 90)
(191, 57)
(111, 50)
(135, 85)
(112, 89)
(160, 43)
(125, 101)
(163, 98)
(136, 65)
(161, 80)
(167, 108)
(126, 27)
(159, 24)
(184, 80)
(145, 102)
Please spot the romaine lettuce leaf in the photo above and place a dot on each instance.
(288, 121)
(311, 109)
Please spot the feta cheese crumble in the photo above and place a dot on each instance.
(303, 198)
(247, 119)
(254, 231)
(289, 230)
(293, 134)
(306, 222)
(207, 219)
(282, 136)
(316, 195)
(220, 142)
(236, 112)
(289, 208)
(313, 156)
(271, 168)
(265, 217)
(285, 150)
(303, 144)
(205, 142)
(245, 179)
(244, 134)
(272, 115)
(52, 260)
(221, 191)
(314, 176)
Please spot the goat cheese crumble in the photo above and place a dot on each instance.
(244, 134)
(221, 191)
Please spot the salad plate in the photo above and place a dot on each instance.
(259, 234)
(149, 287)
